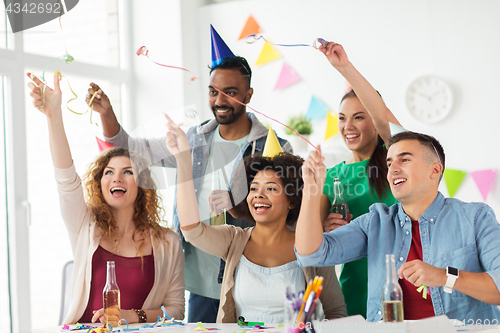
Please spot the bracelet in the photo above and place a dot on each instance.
(141, 314)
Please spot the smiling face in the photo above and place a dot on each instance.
(356, 126)
(227, 111)
(267, 199)
(413, 174)
(118, 184)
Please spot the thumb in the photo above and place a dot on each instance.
(318, 148)
(57, 78)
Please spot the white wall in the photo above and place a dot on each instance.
(391, 42)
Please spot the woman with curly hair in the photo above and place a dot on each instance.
(120, 222)
(260, 260)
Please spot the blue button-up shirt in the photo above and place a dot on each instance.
(453, 233)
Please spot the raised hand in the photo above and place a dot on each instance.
(314, 172)
(177, 141)
(48, 101)
(100, 103)
(335, 54)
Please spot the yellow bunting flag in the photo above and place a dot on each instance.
(453, 180)
(272, 147)
(331, 125)
(268, 54)
(251, 28)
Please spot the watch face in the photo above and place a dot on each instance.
(429, 99)
(452, 271)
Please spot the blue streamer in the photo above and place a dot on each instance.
(257, 37)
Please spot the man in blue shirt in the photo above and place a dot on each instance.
(460, 241)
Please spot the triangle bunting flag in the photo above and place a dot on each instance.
(268, 54)
(331, 125)
(287, 77)
(317, 109)
(250, 28)
(453, 180)
(484, 180)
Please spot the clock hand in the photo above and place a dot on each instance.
(436, 93)
(423, 95)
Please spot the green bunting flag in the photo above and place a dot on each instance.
(453, 180)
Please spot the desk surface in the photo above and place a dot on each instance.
(354, 324)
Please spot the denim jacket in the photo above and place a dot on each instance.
(453, 233)
(200, 139)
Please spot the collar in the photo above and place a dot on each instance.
(434, 209)
(429, 215)
(257, 131)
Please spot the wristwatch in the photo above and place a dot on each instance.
(452, 274)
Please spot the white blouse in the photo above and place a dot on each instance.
(259, 292)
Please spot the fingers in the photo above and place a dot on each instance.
(171, 125)
(98, 315)
(331, 227)
(35, 79)
(171, 139)
(94, 88)
(219, 201)
(407, 271)
(334, 221)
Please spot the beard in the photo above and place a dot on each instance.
(231, 116)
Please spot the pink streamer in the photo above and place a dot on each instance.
(144, 51)
(234, 99)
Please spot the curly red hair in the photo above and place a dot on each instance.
(148, 212)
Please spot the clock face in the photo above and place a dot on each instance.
(429, 99)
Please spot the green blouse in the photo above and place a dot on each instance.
(359, 196)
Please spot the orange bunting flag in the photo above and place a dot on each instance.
(250, 28)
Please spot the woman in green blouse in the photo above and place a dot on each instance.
(364, 125)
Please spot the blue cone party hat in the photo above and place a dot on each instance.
(219, 49)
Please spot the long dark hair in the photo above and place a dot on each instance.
(377, 166)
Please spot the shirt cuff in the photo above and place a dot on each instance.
(315, 259)
(114, 138)
(66, 174)
(495, 275)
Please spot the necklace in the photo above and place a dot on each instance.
(116, 247)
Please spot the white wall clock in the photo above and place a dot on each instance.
(429, 99)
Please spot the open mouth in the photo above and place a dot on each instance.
(222, 111)
(351, 137)
(118, 191)
(398, 181)
(261, 208)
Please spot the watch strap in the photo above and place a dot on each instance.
(450, 281)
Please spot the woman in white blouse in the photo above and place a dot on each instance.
(260, 261)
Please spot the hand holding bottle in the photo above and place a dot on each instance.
(339, 205)
(334, 221)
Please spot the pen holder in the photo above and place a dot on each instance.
(304, 324)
